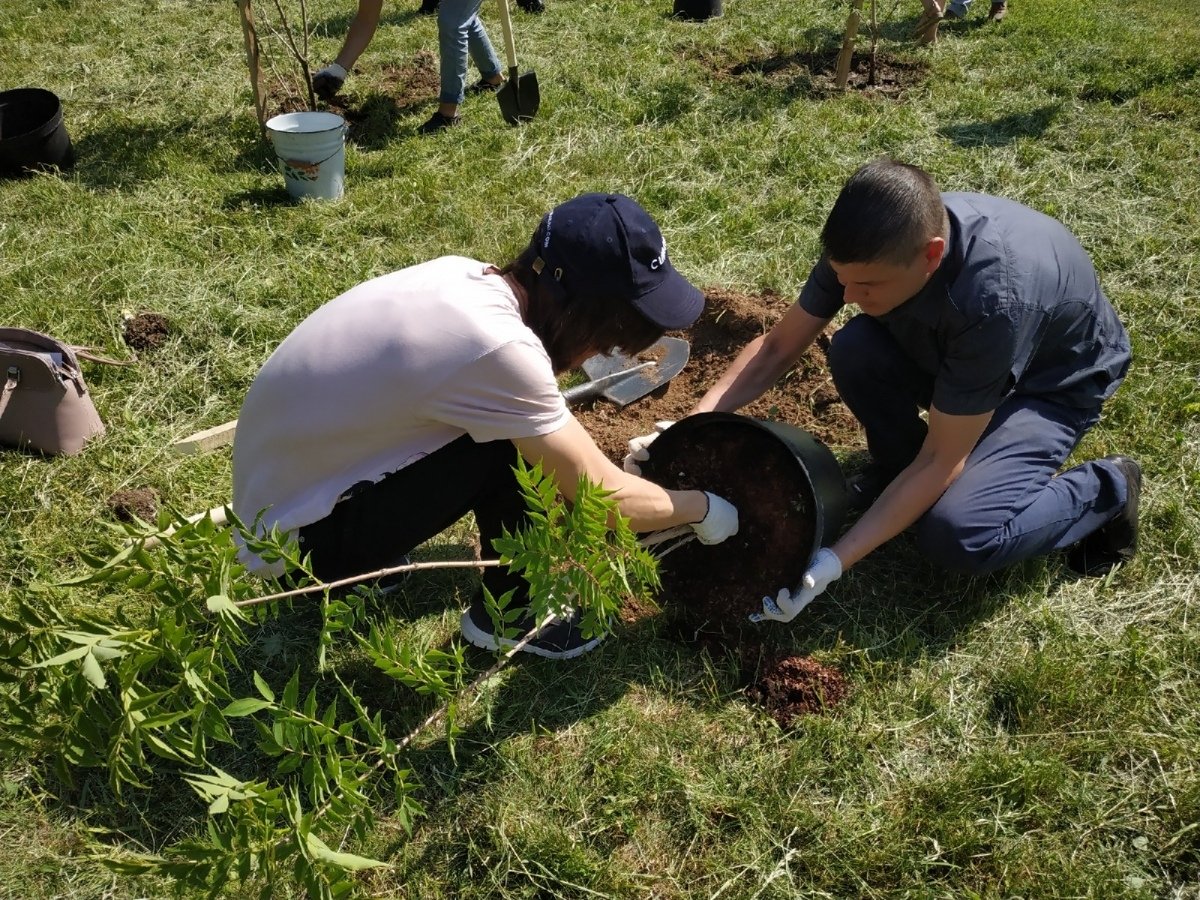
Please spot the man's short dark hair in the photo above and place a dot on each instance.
(886, 212)
(571, 325)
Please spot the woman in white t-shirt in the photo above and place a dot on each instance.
(398, 407)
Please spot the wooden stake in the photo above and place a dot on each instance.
(250, 38)
(847, 54)
(204, 441)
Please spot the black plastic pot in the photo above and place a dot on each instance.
(819, 467)
(32, 134)
(698, 9)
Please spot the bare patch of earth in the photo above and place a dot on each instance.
(814, 72)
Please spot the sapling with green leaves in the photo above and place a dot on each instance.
(161, 685)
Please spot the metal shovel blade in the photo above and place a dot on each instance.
(519, 97)
(669, 355)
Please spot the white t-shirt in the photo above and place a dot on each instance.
(381, 376)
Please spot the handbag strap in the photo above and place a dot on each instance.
(91, 356)
(10, 385)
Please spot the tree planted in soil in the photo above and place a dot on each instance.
(287, 39)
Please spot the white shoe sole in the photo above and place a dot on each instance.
(486, 640)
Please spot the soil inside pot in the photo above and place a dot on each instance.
(711, 588)
(790, 686)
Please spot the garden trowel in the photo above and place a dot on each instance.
(621, 379)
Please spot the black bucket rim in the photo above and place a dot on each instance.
(52, 121)
(43, 141)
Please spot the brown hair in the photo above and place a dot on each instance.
(572, 325)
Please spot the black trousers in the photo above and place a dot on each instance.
(378, 522)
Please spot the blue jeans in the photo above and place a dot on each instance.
(1008, 504)
(461, 32)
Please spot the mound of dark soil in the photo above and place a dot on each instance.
(814, 72)
(146, 331)
(795, 686)
(130, 502)
(804, 397)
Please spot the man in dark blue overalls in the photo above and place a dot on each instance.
(989, 316)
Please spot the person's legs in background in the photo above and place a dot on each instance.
(957, 9)
(460, 32)
(483, 54)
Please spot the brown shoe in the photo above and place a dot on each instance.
(926, 31)
(998, 11)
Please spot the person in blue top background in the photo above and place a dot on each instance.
(983, 351)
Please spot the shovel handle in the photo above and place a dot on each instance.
(510, 49)
(597, 386)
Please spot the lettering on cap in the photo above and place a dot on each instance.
(661, 259)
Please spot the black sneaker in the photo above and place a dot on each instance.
(863, 488)
(560, 639)
(483, 86)
(429, 7)
(437, 122)
(1116, 541)
(532, 6)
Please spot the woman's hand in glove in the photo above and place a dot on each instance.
(719, 523)
(328, 81)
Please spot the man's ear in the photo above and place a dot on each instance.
(931, 256)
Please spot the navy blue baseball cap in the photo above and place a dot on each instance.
(606, 245)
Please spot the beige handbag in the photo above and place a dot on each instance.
(44, 404)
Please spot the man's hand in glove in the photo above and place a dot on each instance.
(328, 81)
(825, 569)
(719, 523)
(638, 449)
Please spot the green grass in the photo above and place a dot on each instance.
(1025, 734)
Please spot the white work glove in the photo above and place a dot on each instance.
(824, 569)
(638, 448)
(719, 523)
(328, 81)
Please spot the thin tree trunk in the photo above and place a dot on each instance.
(250, 37)
(847, 54)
